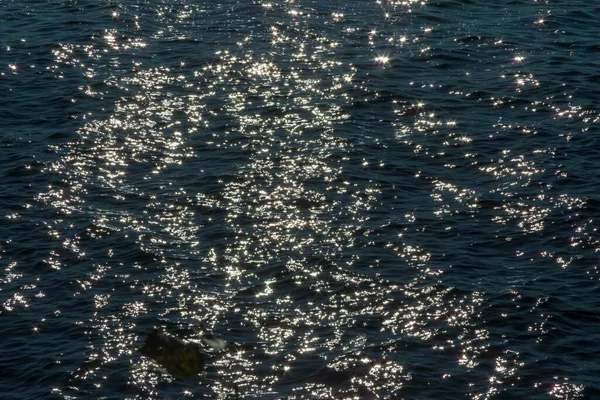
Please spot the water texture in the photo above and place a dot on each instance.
(372, 199)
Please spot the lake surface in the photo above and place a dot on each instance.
(373, 199)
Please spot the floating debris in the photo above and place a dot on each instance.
(215, 342)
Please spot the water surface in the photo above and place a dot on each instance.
(375, 199)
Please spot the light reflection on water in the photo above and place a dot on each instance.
(331, 217)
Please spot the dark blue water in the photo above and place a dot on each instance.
(374, 199)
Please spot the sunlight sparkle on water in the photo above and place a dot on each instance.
(382, 60)
(250, 186)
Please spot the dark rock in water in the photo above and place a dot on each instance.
(178, 357)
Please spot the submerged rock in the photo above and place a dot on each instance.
(176, 356)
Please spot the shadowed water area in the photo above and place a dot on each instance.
(371, 199)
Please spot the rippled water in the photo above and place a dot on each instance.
(374, 199)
